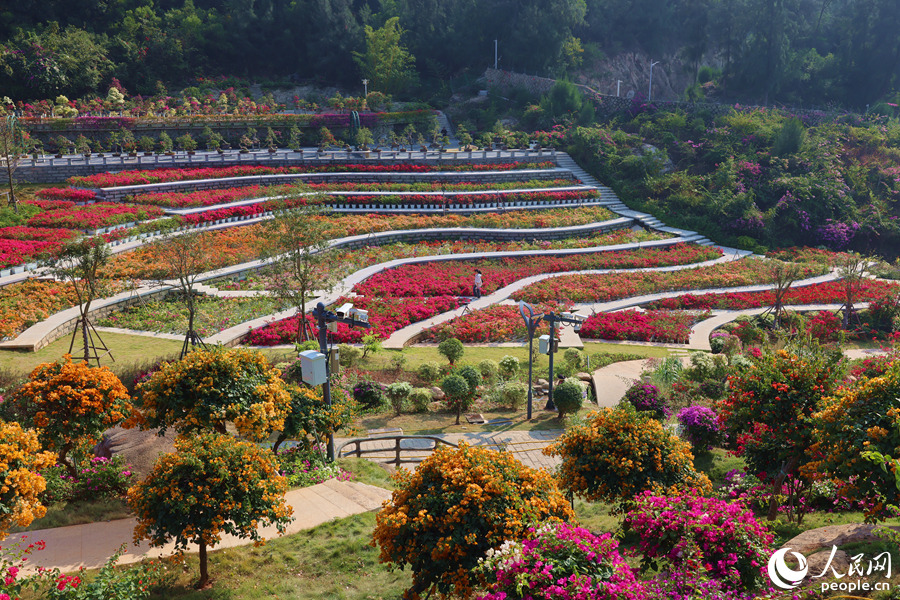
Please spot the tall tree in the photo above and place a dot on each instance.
(297, 243)
(386, 62)
(11, 148)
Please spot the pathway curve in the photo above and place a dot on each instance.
(90, 545)
(401, 337)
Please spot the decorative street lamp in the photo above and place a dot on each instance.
(366, 84)
(553, 319)
(345, 314)
(650, 91)
(531, 323)
(618, 86)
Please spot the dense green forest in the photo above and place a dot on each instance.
(841, 52)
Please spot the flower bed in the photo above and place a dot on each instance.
(200, 198)
(386, 315)
(638, 326)
(94, 216)
(73, 194)
(498, 323)
(170, 315)
(613, 286)
(50, 204)
(19, 245)
(241, 244)
(830, 292)
(26, 303)
(455, 277)
(359, 258)
(101, 180)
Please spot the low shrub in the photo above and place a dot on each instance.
(369, 394)
(509, 367)
(645, 397)
(429, 371)
(304, 467)
(420, 398)
(397, 392)
(569, 396)
(512, 394)
(350, 355)
(489, 370)
(700, 427)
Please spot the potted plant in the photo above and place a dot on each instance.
(165, 143)
(294, 138)
(272, 139)
(129, 144)
(82, 145)
(364, 138)
(187, 143)
(146, 144)
(113, 141)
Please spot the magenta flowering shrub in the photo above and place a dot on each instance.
(561, 562)
(19, 244)
(66, 194)
(700, 426)
(694, 534)
(645, 326)
(645, 397)
(102, 478)
(94, 216)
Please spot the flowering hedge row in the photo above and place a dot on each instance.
(386, 315)
(19, 245)
(241, 244)
(94, 216)
(101, 180)
(831, 292)
(651, 326)
(498, 323)
(224, 196)
(612, 286)
(26, 303)
(455, 277)
(74, 194)
(50, 204)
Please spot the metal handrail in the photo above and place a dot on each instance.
(398, 448)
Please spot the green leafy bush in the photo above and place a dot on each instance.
(452, 349)
(568, 396)
(369, 394)
(429, 371)
(489, 370)
(512, 394)
(420, 398)
(509, 367)
(459, 398)
(397, 392)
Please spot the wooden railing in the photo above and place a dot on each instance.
(355, 448)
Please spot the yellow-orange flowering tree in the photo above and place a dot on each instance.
(620, 453)
(208, 388)
(856, 420)
(212, 484)
(20, 484)
(309, 420)
(73, 405)
(456, 505)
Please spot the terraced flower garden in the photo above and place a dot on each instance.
(408, 293)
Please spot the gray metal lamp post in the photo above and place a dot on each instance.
(323, 317)
(650, 91)
(531, 323)
(366, 84)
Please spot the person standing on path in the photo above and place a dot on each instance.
(476, 289)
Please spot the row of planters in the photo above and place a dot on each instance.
(225, 195)
(102, 180)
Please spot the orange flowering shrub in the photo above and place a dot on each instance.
(208, 388)
(864, 417)
(456, 505)
(74, 404)
(213, 484)
(621, 453)
(20, 483)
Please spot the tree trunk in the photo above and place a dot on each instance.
(278, 442)
(777, 483)
(61, 460)
(85, 339)
(204, 573)
(458, 411)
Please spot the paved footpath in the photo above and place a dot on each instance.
(91, 544)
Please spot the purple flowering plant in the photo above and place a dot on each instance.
(646, 397)
(101, 478)
(700, 426)
(561, 562)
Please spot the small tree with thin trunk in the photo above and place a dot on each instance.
(213, 484)
(180, 260)
(782, 275)
(79, 263)
(12, 146)
(297, 243)
(852, 268)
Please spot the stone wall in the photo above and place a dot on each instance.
(47, 169)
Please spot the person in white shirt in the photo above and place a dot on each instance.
(478, 283)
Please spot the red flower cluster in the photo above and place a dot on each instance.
(50, 204)
(498, 323)
(386, 315)
(831, 292)
(94, 216)
(455, 277)
(101, 180)
(19, 245)
(633, 325)
(77, 195)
